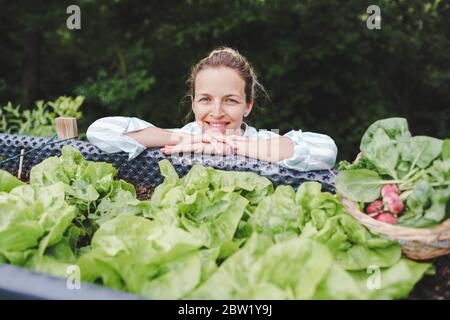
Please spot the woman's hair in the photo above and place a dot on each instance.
(230, 58)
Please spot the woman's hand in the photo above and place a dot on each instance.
(270, 149)
(210, 142)
(216, 148)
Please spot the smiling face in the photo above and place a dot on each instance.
(219, 100)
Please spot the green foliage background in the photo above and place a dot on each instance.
(324, 70)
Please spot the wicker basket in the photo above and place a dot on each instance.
(416, 243)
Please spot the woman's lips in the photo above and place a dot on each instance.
(217, 125)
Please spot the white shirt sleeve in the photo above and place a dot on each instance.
(312, 151)
(108, 135)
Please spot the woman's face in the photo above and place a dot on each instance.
(219, 100)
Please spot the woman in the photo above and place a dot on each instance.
(222, 88)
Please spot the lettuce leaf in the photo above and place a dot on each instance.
(144, 257)
(210, 234)
(8, 181)
(208, 203)
(90, 186)
(302, 268)
(32, 220)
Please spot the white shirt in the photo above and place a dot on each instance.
(312, 151)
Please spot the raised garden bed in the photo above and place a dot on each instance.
(143, 173)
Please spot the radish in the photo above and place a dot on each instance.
(388, 189)
(386, 217)
(393, 203)
(375, 207)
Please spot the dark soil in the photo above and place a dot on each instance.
(25, 177)
(143, 192)
(436, 287)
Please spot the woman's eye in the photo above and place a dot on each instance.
(204, 99)
(231, 101)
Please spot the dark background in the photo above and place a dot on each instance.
(324, 70)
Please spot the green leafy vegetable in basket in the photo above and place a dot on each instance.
(418, 165)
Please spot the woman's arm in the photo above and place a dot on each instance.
(157, 137)
(296, 150)
(131, 135)
(267, 149)
(272, 150)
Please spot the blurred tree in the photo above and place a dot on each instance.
(324, 70)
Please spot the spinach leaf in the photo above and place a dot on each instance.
(445, 155)
(396, 129)
(421, 151)
(420, 198)
(383, 153)
(439, 205)
(439, 172)
(359, 185)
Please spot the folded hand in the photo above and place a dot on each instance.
(210, 142)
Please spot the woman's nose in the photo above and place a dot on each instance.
(217, 109)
